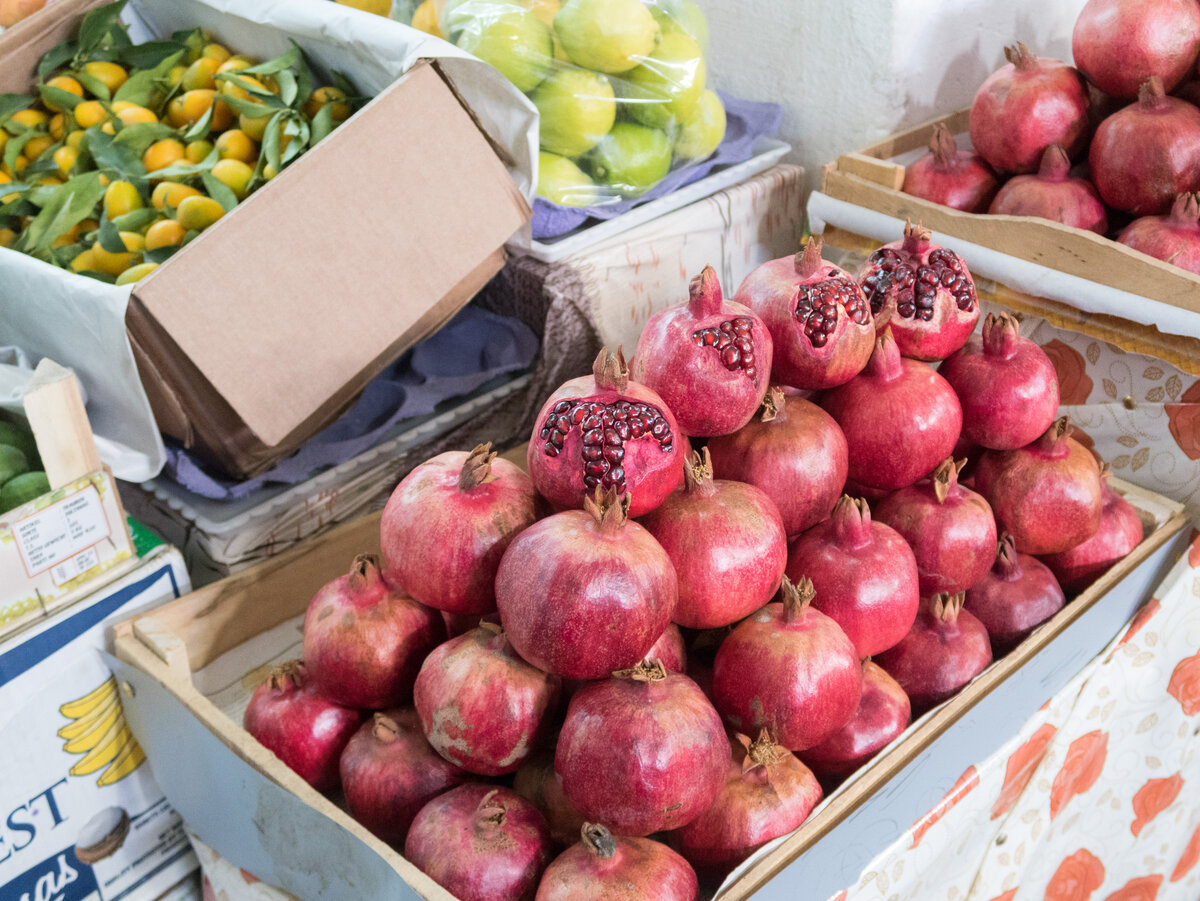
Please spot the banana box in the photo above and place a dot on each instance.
(81, 817)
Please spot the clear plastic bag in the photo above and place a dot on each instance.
(621, 86)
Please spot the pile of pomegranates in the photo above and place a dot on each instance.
(619, 675)
(1111, 144)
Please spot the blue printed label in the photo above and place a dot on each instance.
(58, 878)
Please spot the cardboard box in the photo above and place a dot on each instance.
(81, 817)
(264, 328)
(240, 800)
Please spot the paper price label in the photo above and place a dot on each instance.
(56, 534)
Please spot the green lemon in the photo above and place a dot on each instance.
(631, 158)
(681, 16)
(516, 43)
(13, 462)
(21, 439)
(701, 132)
(666, 86)
(561, 181)
(22, 489)
(606, 35)
(459, 15)
(578, 109)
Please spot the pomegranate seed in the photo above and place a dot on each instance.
(732, 339)
(943, 271)
(606, 428)
(818, 306)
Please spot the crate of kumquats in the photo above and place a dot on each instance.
(234, 194)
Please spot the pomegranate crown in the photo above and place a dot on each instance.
(384, 728)
(1151, 93)
(609, 509)
(491, 811)
(915, 236)
(610, 370)
(364, 573)
(1055, 436)
(1055, 164)
(698, 470)
(885, 358)
(286, 676)
(477, 468)
(796, 597)
(598, 840)
(1020, 56)
(1186, 209)
(704, 293)
(773, 404)
(808, 261)
(649, 670)
(945, 607)
(1007, 564)
(1001, 334)
(760, 752)
(945, 477)
(851, 520)
(942, 145)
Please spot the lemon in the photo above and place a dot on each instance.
(578, 108)
(631, 158)
(701, 132)
(667, 85)
(606, 35)
(517, 43)
(561, 181)
(682, 16)
(379, 7)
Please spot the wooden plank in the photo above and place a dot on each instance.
(167, 647)
(881, 172)
(54, 407)
(917, 137)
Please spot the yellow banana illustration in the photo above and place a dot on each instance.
(85, 742)
(109, 746)
(88, 720)
(123, 764)
(81, 706)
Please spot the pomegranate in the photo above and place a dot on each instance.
(643, 751)
(585, 592)
(923, 292)
(819, 320)
(946, 648)
(767, 793)
(726, 542)
(537, 782)
(1053, 194)
(709, 359)
(671, 650)
(364, 641)
(1018, 594)
(1046, 494)
(900, 418)
(794, 452)
(482, 707)
(1006, 384)
(1024, 107)
(481, 843)
(604, 430)
(607, 867)
(950, 529)
(883, 713)
(303, 728)
(1118, 44)
(1174, 238)
(789, 669)
(389, 772)
(952, 177)
(1146, 154)
(863, 573)
(1119, 533)
(447, 524)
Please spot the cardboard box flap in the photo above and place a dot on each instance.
(233, 310)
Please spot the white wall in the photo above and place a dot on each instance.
(850, 72)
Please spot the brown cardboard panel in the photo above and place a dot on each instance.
(22, 46)
(339, 259)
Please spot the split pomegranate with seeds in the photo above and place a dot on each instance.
(820, 323)
(955, 178)
(607, 867)
(605, 431)
(1018, 594)
(923, 292)
(709, 359)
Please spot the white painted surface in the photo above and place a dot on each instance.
(850, 72)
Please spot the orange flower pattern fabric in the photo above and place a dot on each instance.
(1144, 888)
(1082, 767)
(1074, 383)
(1020, 768)
(1184, 686)
(1189, 858)
(967, 781)
(1152, 799)
(1184, 419)
(1076, 878)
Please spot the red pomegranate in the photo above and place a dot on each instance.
(364, 641)
(643, 751)
(950, 529)
(794, 452)
(389, 772)
(900, 418)
(1053, 194)
(1018, 594)
(1118, 44)
(1174, 238)
(863, 572)
(923, 292)
(482, 707)
(952, 177)
(709, 359)
(726, 542)
(607, 431)
(1006, 384)
(300, 726)
(789, 669)
(670, 650)
(819, 320)
(1148, 153)
(767, 793)
(883, 713)
(1024, 107)
(1119, 533)
(481, 843)
(946, 648)
(607, 867)
(537, 782)
(1046, 494)
(447, 524)
(583, 593)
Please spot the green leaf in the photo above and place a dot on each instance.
(219, 191)
(70, 205)
(110, 236)
(116, 160)
(287, 87)
(141, 86)
(52, 96)
(135, 220)
(188, 170)
(13, 149)
(287, 60)
(62, 256)
(150, 54)
(13, 103)
(19, 205)
(270, 145)
(299, 133)
(161, 254)
(200, 129)
(142, 134)
(96, 25)
(56, 56)
(253, 109)
(322, 123)
(93, 85)
(346, 85)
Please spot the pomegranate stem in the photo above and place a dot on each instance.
(598, 840)
(610, 370)
(698, 472)
(477, 468)
(1001, 334)
(704, 294)
(1007, 565)
(808, 261)
(386, 729)
(364, 574)
(851, 521)
(943, 146)
(796, 597)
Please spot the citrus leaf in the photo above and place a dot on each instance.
(55, 57)
(200, 129)
(110, 236)
(187, 170)
(253, 109)
(96, 25)
(135, 220)
(161, 254)
(322, 123)
(70, 204)
(93, 86)
(299, 132)
(270, 145)
(304, 87)
(346, 86)
(13, 149)
(62, 256)
(150, 54)
(219, 191)
(116, 160)
(288, 60)
(13, 103)
(141, 86)
(64, 100)
(287, 87)
(141, 135)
